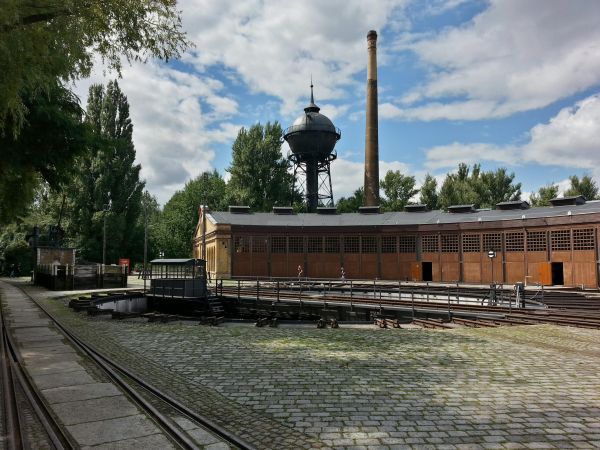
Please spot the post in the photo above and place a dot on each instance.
(104, 242)
(145, 243)
(277, 291)
(238, 291)
(399, 291)
(412, 301)
(257, 290)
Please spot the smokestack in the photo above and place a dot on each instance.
(372, 132)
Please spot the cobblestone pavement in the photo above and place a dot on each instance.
(509, 387)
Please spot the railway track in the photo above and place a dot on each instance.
(24, 411)
(157, 405)
(571, 317)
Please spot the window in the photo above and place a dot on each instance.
(369, 244)
(492, 241)
(471, 243)
(536, 241)
(515, 242)
(259, 244)
(407, 244)
(278, 244)
(351, 244)
(388, 244)
(241, 244)
(314, 244)
(430, 243)
(449, 243)
(296, 244)
(584, 239)
(560, 240)
(332, 244)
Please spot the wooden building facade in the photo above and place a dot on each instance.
(551, 245)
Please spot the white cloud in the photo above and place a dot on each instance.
(569, 139)
(177, 118)
(274, 47)
(451, 155)
(514, 56)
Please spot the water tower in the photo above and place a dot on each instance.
(312, 138)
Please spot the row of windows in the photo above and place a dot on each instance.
(559, 240)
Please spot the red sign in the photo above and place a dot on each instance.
(125, 262)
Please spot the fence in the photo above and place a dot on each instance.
(90, 276)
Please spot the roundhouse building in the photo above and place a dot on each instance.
(555, 245)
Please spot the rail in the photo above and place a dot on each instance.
(123, 377)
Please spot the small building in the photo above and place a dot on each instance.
(554, 245)
(178, 278)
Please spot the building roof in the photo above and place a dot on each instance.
(399, 218)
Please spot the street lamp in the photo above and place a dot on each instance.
(492, 255)
(105, 210)
(145, 241)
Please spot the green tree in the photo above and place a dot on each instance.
(398, 190)
(429, 195)
(460, 188)
(498, 187)
(52, 135)
(474, 186)
(544, 195)
(585, 186)
(351, 204)
(177, 223)
(42, 43)
(259, 173)
(106, 185)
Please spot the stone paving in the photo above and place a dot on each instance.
(509, 387)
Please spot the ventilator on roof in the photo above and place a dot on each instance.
(514, 204)
(572, 200)
(462, 208)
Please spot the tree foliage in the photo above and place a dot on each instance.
(459, 188)
(398, 190)
(429, 195)
(351, 204)
(259, 173)
(544, 195)
(472, 186)
(52, 136)
(179, 218)
(585, 186)
(42, 43)
(106, 184)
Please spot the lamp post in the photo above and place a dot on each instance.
(145, 242)
(492, 255)
(105, 210)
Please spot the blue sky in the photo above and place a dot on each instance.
(504, 83)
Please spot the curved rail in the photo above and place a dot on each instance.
(120, 375)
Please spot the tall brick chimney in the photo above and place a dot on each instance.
(372, 131)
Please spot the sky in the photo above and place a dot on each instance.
(503, 83)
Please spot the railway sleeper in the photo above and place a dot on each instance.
(95, 311)
(213, 321)
(473, 323)
(430, 324)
